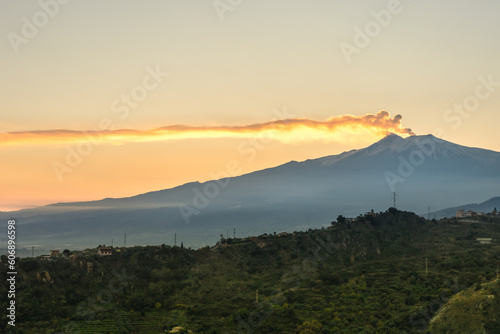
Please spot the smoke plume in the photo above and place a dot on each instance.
(287, 130)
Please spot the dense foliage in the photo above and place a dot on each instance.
(383, 273)
(475, 310)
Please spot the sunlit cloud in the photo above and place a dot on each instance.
(287, 130)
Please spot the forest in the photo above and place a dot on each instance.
(387, 272)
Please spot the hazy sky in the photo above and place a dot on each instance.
(94, 68)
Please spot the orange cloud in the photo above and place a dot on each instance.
(294, 129)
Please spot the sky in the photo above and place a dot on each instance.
(116, 98)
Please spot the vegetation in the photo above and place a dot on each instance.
(474, 310)
(389, 272)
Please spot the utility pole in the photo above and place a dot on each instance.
(227, 233)
(429, 215)
(111, 242)
(175, 239)
(394, 200)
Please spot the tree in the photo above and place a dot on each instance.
(341, 219)
(392, 210)
(310, 327)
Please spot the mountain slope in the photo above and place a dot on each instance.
(423, 170)
(474, 310)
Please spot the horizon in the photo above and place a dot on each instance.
(249, 172)
(39, 249)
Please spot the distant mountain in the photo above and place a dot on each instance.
(485, 207)
(422, 170)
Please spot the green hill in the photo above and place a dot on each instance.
(383, 273)
(474, 310)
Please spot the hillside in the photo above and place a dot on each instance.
(368, 276)
(475, 310)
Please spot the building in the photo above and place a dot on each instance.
(105, 251)
(467, 214)
(484, 240)
(55, 252)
